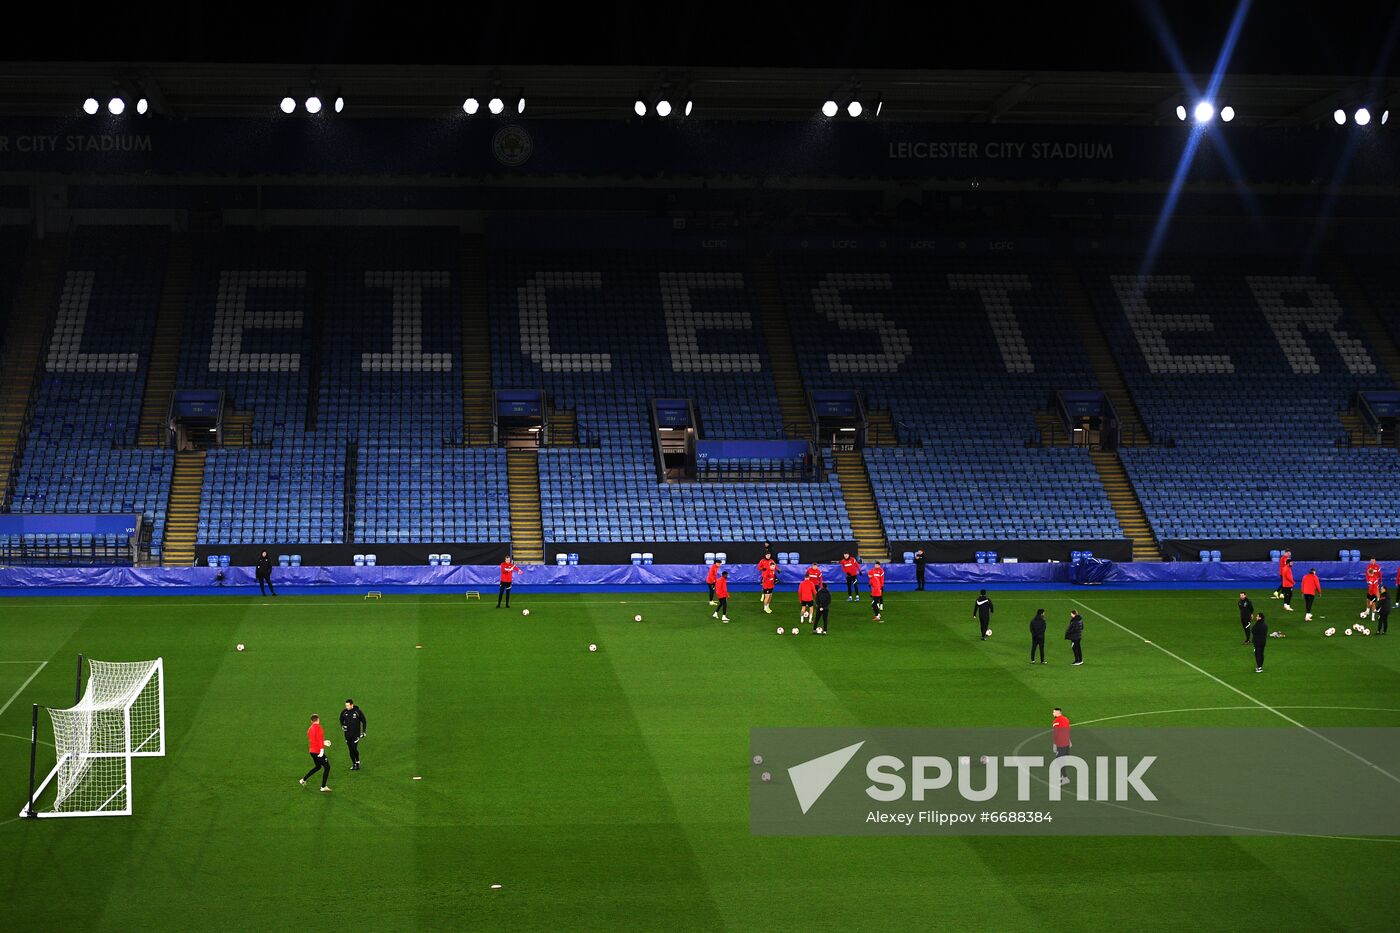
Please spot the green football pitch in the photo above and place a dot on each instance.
(609, 790)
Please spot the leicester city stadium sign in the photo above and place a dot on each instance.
(1110, 782)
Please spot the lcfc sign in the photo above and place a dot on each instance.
(512, 145)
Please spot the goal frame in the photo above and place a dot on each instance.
(30, 809)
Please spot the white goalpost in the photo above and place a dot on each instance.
(120, 716)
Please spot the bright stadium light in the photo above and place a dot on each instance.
(663, 108)
(1204, 111)
(520, 105)
(313, 104)
(339, 104)
(116, 106)
(690, 105)
(1385, 117)
(1362, 116)
(640, 108)
(1339, 116)
(142, 106)
(879, 105)
(1227, 113)
(288, 105)
(1181, 112)
(90, 106)
(829, 109)
(471, 105)
(496, 105)
(854, 108)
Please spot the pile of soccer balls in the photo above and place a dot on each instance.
(1357, 629)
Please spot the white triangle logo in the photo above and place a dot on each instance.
(811, 778)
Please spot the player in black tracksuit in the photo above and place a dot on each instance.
(1259, 631)
(919, 570)
(353, 724)
(1383, 612)
(263, 572)
(1038, 635)
(982, 611)
(823, 600)
(1246, 614)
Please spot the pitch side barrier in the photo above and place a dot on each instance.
(18, 580)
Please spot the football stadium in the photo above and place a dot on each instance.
(854, 475)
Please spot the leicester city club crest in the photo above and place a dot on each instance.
(512, 145)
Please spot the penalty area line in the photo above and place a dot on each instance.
(1257, 702)
(14, 696)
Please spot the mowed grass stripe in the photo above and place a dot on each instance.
(557, 797)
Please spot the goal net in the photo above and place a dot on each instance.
(121, 716)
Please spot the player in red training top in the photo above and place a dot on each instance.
(1373, 588)
(768, 579)
(1059, 729)
(710, 579)
(1284, 557)
(877, 591)
(806, 593)
(508, 569)
(1286, 583)
(722, 597)
(317, 745)
(851, 567)
(814, 573)
(764, 563)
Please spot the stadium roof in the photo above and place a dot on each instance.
(1025, 97)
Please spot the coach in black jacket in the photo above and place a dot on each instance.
(1246, 615)
(1038, 635)
(1074, 633)
(353, 724)
(264, 574)
(823, 600)
(1260, 633)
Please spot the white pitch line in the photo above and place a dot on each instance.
(15, 695)
(1260, 703)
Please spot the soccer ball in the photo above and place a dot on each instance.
(989, 632)
(984, 759)
(240, 646)
(766, 776)
(328, 743)
(636, 618)
(524, 612)
(1347, 632)
(795, 632)
(1330, 632)
(1365, 631)
(592, 647)
(758, 759)
(781, 630)
(1363, 614)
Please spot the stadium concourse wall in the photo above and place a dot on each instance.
(333, 555)
(18, 581)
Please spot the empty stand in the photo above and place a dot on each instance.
(1243, 363)
(963, 352)
(165, 349)
(787, 375)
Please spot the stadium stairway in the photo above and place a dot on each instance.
(1131, 517)
(1106, 372)
(30, 324)
(526, 523)
(476, 346)
(782, 354)
(562, 427)
(1051, 428)
(165, 346)
(182, 513)
(880, 430)
(1355, 300)
(1355, 426)
(860, 506)
(238, 429)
